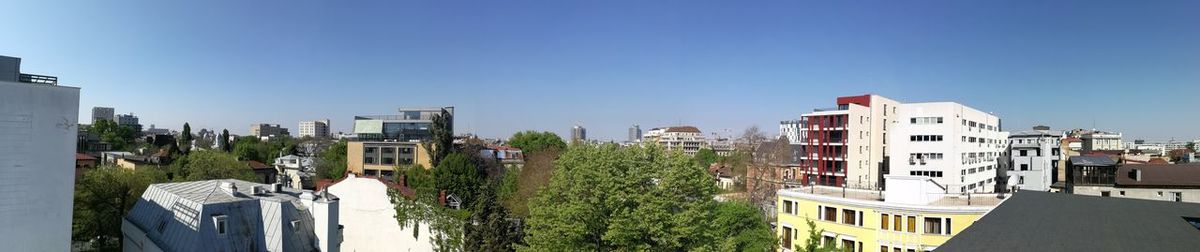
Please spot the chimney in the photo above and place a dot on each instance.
(229, 188)
(442, 197)
(324, 209)
(403, 180)
(276, 188)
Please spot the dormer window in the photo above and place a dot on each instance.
(219, 222)
(296, 226)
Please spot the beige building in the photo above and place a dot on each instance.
(379, 158)
(268, 130)
(683, 138)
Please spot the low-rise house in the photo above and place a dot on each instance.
(296, 171)
(83, 163)
(368, 215)
(231, 215)
(263, 173)
(1043, 221)
(509, 157)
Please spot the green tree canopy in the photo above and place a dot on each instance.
(488, 228)
(442, 131)
(102, 197)
(331, 162)
(534, 175)
(185, 138)
(706, 157)
(120, 137)
(742, 227)
(533, 141)
(459, 176)
(206, 165)
(606, 197)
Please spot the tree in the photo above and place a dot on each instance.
(331, 163)
(118, 136)
(706, 157)
(207, 165)
(813, 243)
(533, 176)
(224, 141)
(102, 198)
(185, 138)
(458, 176)
(1191, 146)
(745, 227)
(533, 141)
(488, 228)
(442, 131)
(247, 152)
(606, 197)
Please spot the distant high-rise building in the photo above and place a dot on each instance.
(102, 113)
(635, 133)
(578, 134)
(314, 128)
(268, 130)
(37, 148)
(128, 120)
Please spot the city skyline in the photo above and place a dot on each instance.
(508, 68)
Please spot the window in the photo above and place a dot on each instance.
(912, 224)
(948, 226)
(933, 225)
(296, 226)
(1105, 193)
(883, 221)
(787, 237)
(787, 207)
(1024, 167)
(389, 150)
(1024, 153)
(883, 249)
(1177, 196)
(388, 160)
(220, 224)
(827, 241)
(406, 150)
(830, 214)
(896, 223)
(848, 217)
(369, 160)
(1122, 193)
(848, 245)
(370, 149)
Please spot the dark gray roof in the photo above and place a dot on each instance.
(1044, 221)
(1092, 161)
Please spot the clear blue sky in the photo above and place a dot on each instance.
(1130, 66)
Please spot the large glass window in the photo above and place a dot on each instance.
(933, 225)
(830, 214)
(849, 217)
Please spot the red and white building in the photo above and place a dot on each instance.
(847, 145)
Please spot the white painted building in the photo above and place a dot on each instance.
(687, 139)
(957, 146)
(1099, 141)
(314, 128)
(1035, 155)
(295, 171)
(794, 130)
(369, 219)
(38, 128)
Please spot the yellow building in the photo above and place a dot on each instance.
(381, 158)
(914, 214)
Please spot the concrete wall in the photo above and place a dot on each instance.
(956, 174)
(1189, 195)
(37, 150)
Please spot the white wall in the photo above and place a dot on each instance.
(952, 147)
(37, 155)
(369, 219)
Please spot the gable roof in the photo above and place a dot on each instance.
(1044, 221)
(256, 165)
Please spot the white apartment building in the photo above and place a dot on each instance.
(957, 146)
(794, 130)
(847, 145)
(687, 139)
(1035, 156)
(38, 128)
(1100, 141)
(314, 128)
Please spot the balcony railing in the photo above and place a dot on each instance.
(39, 79)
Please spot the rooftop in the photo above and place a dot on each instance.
(877, 197)
(1081, 223)
(1160, 175)
(1092, 161)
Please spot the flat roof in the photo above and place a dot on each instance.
(952, 201)
(1044, 221)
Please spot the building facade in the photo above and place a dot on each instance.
(382, 158)
(578, 134)
(1035, 156)
(231, 215)
(411, 124)
(1094, 140)
(314, 128)
(957, 146)
(635, 133)
(102, 113)
(130, 121)
(687, 139)
(794, 130)
(846, 145)
(39, 119)
(263, 130)
(914, 216)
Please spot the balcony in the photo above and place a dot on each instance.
(38, 79)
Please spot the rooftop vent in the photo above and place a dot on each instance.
(277, 188)
(229, 188)
(259, 190)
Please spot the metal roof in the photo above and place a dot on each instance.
(181, 217)
(1044, 221)
(1092, 161)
